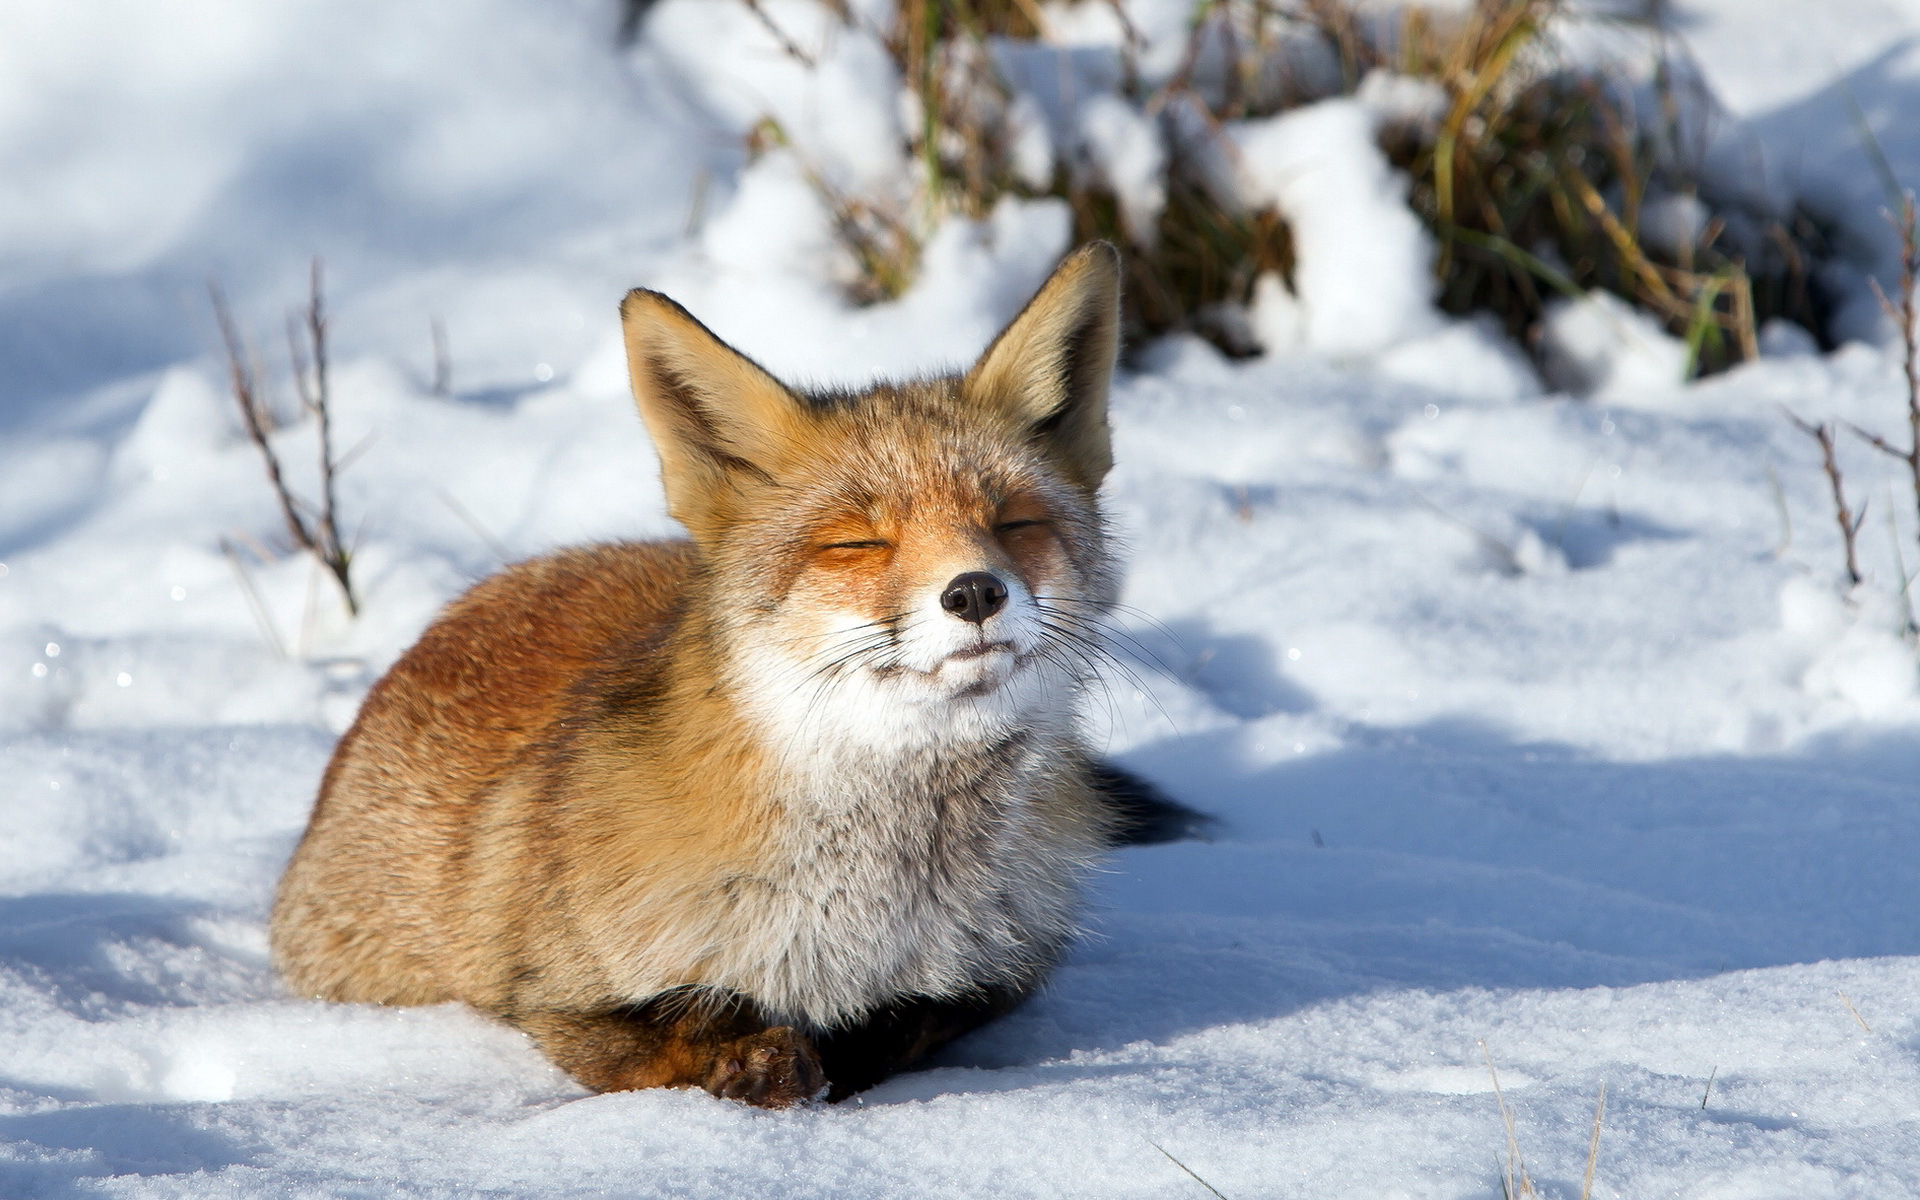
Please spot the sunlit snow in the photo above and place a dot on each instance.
(1539, 729)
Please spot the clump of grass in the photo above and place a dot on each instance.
(1203, 261)
(1536, 180)
(883, 242)
(1515, 1182)
(942, 50)
(1536, 177)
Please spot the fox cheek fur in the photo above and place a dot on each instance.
(777, 810)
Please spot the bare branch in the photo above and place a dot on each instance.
(1879, 443)
(779, 34)
(332, 551)
(319, 532)
(443, 361)
(1910, 336)
(246, 394)
(1848, 520)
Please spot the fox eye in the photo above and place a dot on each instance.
(874, 544)
(1015, 526)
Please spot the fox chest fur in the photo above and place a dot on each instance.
(776, 808)
(931, 879)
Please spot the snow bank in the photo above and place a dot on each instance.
(830, 86)
(424, 154)
(1362, 273)
(1602, 348)
(1363, 289)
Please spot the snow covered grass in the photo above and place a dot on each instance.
(1547, 149)
(1532, 721)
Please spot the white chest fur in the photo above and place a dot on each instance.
(921, 878)
(918, 849)
(929, 873)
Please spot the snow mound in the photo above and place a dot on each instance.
(1363, 275)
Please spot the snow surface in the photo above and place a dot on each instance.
(1534, 722)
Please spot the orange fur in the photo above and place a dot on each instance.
(759, 812)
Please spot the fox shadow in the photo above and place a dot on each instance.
(1449, 856)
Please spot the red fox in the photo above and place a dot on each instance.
(776, 810)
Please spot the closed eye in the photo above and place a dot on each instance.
(1011, 526)
(869, 545)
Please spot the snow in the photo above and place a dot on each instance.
(1126, 153)
(1803, 83)
(1599, 347)
(1535, 722)
(1362, 270)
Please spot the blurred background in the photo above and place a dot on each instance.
(504, 169)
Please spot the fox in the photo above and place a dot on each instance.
(778, 809)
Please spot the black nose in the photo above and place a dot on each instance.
(974, 596)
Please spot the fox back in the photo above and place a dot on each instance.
(779, 808)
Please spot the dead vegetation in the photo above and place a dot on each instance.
(1546, 177)
(1545, 174)
(1848, 519)
(1515, 1182)
(1902, 310)
(314, 525)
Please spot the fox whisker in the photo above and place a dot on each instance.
(1097, 652)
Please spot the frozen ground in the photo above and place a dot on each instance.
(1534, 723)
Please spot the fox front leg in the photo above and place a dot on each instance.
(673, 1044)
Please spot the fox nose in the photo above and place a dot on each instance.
(974, 596)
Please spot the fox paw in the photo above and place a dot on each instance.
(775, 1068)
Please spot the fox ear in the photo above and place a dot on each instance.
(1050, 368)
(717, 418)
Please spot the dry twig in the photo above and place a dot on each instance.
(1190, 1172)
(1902, 313)
(442, 360)
(1517, 1182)
(1856, 1012)
(1849, 521)
(780, 35)
(1593, 1150)
(316, 530)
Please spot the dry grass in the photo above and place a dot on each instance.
(1515, 1183)
(1533, 183)
(1188, 1171)
(1204, 256)
(1535, 180)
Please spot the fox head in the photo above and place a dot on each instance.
(907, 565)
